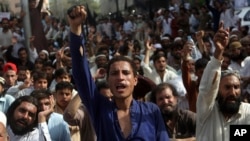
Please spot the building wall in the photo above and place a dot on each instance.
(13, 6)
(107, 6)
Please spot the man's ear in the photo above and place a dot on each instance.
(136, 80)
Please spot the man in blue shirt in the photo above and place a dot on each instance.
(58, 128)
(123, 118)
(5, 99)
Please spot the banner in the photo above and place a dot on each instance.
(4, 15)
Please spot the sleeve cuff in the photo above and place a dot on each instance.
(44, 131)
(216, 61)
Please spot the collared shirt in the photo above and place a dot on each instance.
(146, 120)
(184, 126)
(58, 128)
(211, 124)
(154, 76)
(5, 102)
(41, 133)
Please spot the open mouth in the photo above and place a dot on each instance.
(231, 99)
(120, 87)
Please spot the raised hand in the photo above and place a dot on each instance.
(99, 37)
(199, 35)
(221, 39)
(149, 45)
(131, 45)
(100, 73)
(60, 54)
(42, 116)
(76, 16)
(186, 51)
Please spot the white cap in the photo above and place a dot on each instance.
(165, 38)
(176, 39)
(157, 45)
(45, 52)
(171, 8)
(3, 118)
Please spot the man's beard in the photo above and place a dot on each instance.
(229, 107)
(169, 114)
(5, 28)
(239, 57)
(18, 130)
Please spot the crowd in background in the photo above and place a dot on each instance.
(170, 47)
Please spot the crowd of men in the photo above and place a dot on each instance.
(179, 74)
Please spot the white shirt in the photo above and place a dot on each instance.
(38, 134)
(226, 17)
(25, 91)
(154, 76)
(107, 28)
(14, 89)
(235, 66)
(128, 27)
(210, 123)
(245, 70)
(5, 39)
(166, 24)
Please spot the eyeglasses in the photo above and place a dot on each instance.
(230, 72)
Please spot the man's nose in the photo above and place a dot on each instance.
(120, 75)
(26, 115)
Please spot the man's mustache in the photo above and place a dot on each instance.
(23, 121)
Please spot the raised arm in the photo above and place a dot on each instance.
(201, 45)
(146, 62)
(186, 77)
(211, 77)
(80, 67)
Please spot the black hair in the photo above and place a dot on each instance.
(39, 60)
(137, 58)
(102, 85)
(201, 63)
(41, 94)
(160, 88)
(39, 75)
(22, 49)
(48, 64)
(16, 103)
(158, 56)
(157, 51)
(64, 85)
(61, 71)
(22, 68)
(122, 58)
